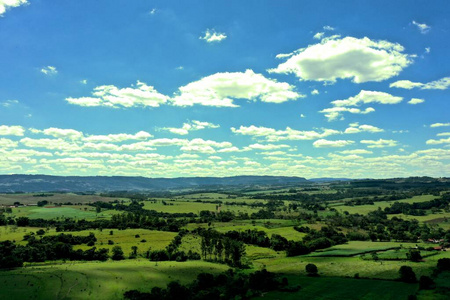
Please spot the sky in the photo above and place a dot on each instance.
(354, 89)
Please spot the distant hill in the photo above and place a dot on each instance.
(326, 179)
(45, 183)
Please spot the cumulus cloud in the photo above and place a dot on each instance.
(57, 144)
(264, 147)
(273, 135)
(438, 142)
(12, 130)
(322, 143)
(356, 128)
(211, 36)
(49, 70)
(356, 151)
(335, 58)
(9, 103)
(439, 125)
(319, 35)
(7, 4)
(191, 126)
(221, 88)
(423, 28)
(112, 96)
(441, 84)
(61, 133)
(335, 112)
(364, 97)
(7, 143)
(119, 137)
(381, 143)
(414, 101)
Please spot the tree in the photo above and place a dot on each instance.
(133, 253)
(311, 270)
(426, 283)
(414, 255)
(117, 253)
(407, 274)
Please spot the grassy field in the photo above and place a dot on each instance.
(97, 280)
(65, 211)
(364, 209)
(343, 288)
(347, 266)
(183, 206)
(9, 199)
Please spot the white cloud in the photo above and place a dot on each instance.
(265, 147)
(62, 133)
(84, 81)
(322, 143)
(221, 88)
(443, 134)
(112, 96)
(9, 103)
(7, 4)
(7, 143)
(438, 142)
(427, 49)
(440, 125)
(273, 135)
(101, 146)
(334, 58)
(327, 27)
(381, 143)
(334, 112)
(49, 70)
(191, 126)
(414, 101)
(211, 36)
(364, 97)
(319, 35)
(356, 151)
(57, 144)
(11, 130)
(356, 128)
(314, 92)
(423, 28)
(119, 137)
(441, 84)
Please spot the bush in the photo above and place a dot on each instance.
(311, 270)
(407, 274)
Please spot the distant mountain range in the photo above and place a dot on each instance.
(45, 183)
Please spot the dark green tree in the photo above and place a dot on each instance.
(311, 270)
(407, 274)
(117, 253)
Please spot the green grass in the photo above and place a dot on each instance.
(181, 206)
(9, 199)
(364, 209)
(97, 280)
(65, 211)
(347, 266)
(343, 288)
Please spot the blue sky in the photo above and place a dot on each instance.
(220, 88)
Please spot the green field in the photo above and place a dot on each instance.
(9, 199)
(65, 211)
(364, 209)
(97, 280)
(343, 288)
(182, 206)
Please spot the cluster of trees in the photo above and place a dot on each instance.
(119, 221)
(224, 247)
(228, 285)
(172, 252)
(418, 208)
(49, 248)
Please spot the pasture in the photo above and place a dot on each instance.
(343, 288)
(97, 280)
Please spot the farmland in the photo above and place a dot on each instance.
(149, 240)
